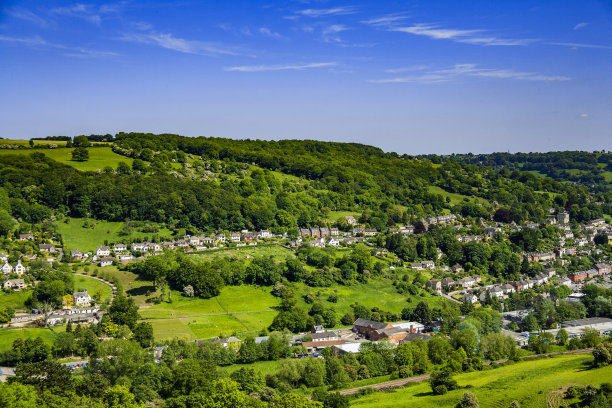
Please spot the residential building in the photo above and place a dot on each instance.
(563, 218)
(106, 261)
(81, 299)
(76, 254)
(103, 251)
(15, 284)
(7, 269)
(19, 268)
(434, 284)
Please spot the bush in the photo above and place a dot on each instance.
(468, 400)
(440, 390)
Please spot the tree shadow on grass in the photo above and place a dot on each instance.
(142, 290)
(424, 394)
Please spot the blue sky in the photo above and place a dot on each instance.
(408, 76)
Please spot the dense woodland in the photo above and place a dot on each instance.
(586, 168)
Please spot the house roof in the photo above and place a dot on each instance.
(323, 335)
(370, 323)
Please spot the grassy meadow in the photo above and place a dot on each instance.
(16, 300)
(454, 197)
(99, 157)
(8, 335)
(531, 383)
(75, 236)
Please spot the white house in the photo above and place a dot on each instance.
(81, 298)
(6, 268)
(235, 237)
(19, 268)
(333, 242)
(103, 251)
(120, 248)
(265, 234)
(106, 261)
(470, 297)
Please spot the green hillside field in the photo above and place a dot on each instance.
(533, 384)
(99, 157)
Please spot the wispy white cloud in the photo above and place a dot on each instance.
(580, 25)
(169, 41)
(422, 79)
(406, 69)
(27, 15)
(289, 67)
(579, 45)
(88, 12)
(265, 31)
(336, 11)
(584, 115)
(69, 51)
(330, 33)
(470, 70)
(472, 36)
(385, 20)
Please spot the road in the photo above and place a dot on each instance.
(403, 381)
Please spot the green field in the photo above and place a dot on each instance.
(336, 215)
(99, 157)
(237, 309)
(87, 239)
(8, 335)
(454, 197)
(260, 249)
(93, 287)
(377, 292)
(531, 383)
(264, 367)
(16, 300)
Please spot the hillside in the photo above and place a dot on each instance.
(209, 184)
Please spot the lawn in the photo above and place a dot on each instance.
(16, 300)
(454, 197)
(75, 236)
(8, 335)
(99, 157)
(93, 287)
(531, 383)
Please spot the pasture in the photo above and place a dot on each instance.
(16, 300)
(237, 309)
(76, 236)
(9, 335)
(99, 157)
(531, 383)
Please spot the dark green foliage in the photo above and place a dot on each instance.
(124, 311)
(80, 154)
(442, 381)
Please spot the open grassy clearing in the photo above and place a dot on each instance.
(8, 335)
(260, 249)
(336, 215)
(454, 197)
(376, 293)
(528, 382)
(16, 300)
(237, 309)
(99, 157)
(87, 239)
(264, 367)
(94, 287)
